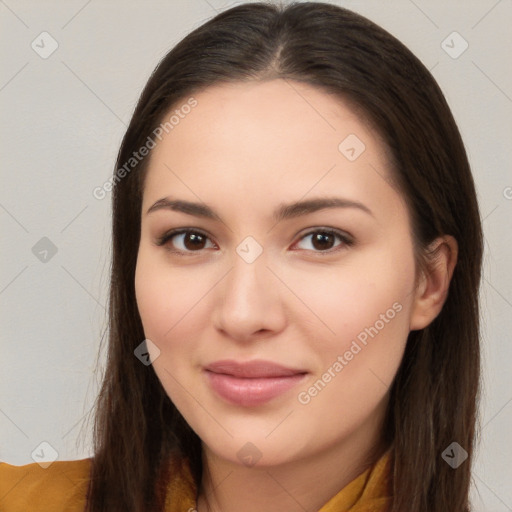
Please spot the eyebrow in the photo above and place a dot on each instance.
(282, 212)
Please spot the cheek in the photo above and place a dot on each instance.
(165, 299)
(168, 315)
(355, 366)
(365, 308)
(154, 301)
(365, 293)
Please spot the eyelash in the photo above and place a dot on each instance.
(347, 240)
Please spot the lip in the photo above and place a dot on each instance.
(251, 383)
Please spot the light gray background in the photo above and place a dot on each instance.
(62, 122)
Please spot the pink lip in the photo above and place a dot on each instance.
(251, 383)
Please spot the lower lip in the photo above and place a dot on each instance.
(250, 392)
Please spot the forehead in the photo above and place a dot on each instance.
(265, 139)
(271, 113)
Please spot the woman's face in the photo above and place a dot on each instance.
(282, 312)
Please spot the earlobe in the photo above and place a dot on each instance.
(434, 282)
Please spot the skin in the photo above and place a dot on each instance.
(245, 150)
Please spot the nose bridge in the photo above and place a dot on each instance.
(249, 294)
(249, 278)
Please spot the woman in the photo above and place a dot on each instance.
(296, 251)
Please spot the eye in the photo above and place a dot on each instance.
(324, 240)
(185, 241)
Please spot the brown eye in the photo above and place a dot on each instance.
(193, 241)
(186, 241)
(324, 240)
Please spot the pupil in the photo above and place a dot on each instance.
(196, 241)
(319, 241)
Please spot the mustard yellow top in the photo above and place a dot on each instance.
(62, 487)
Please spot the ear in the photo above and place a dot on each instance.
(434, 282)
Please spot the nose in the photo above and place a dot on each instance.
(249, 301)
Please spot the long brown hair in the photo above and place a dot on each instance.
(433, 400)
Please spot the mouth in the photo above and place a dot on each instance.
(251, 383)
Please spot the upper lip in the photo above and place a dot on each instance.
(252, 369)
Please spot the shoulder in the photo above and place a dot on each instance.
(60, 486)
